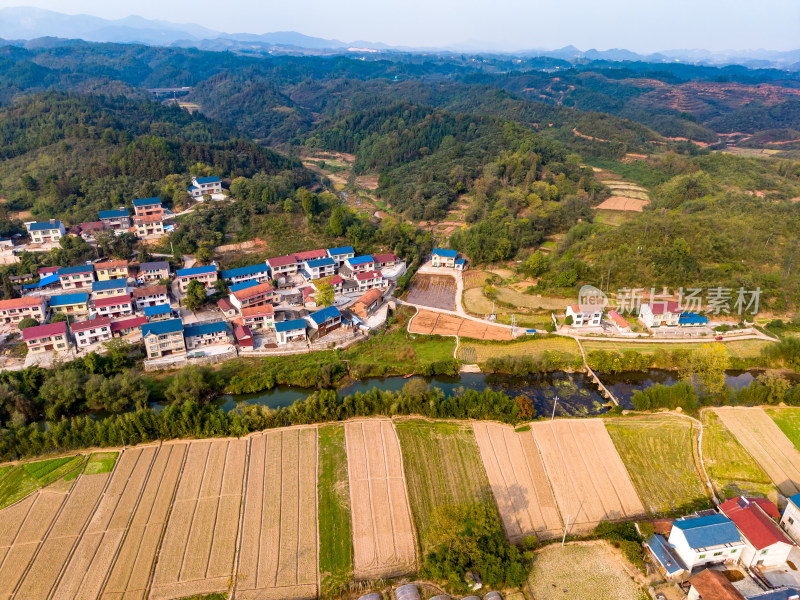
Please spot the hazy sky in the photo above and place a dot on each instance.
(639, 25)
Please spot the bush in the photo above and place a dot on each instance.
(666, 396)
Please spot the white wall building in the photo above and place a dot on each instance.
(706, 540)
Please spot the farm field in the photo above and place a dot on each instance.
(766, 443)
(588, 479)
(659, 456)
(732, 470)
(432, 323)
(472, 353)
(18, 481)
(788, 420)
(737, 348)
(581, 570)
(383, 535)
(443, 467)
(518, 481)
(624, 203)
(435, 291)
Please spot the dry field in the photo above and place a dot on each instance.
(623, 203)
(383, 536)
(766, 443)
(589, 480)
(436, 291)
(518, 481)
(432, 323)
(535, 347)
(278, 551)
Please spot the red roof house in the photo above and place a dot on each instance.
(244, 337)
(755, 518)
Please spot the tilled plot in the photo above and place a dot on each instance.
(518, 481)
(766, 443)
(433, 323)
(436, 291)
(423, 322)
(278, 552)
(589, 480)
(383, 536)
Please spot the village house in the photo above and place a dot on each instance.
(383, 261)
(258, 273)
(336, 282)
(77, 303)
(150, 226)
(305, 255)
(790, 520)
(369, 280)
(205, 275)
(14, 310)
(113, 269)
(205, 334)
(690, 319)
(109, 288)
(441, 257)
(580, 319)
(660, 314)
(619, 321)
(117, 219)
(712, 585)
(282, 267)
(244, 338)
(159, 312)
(90, 230)
(324, 321)
(460, 264)
(148, 207)
(706, 540)
(164, 338)
(150, 296)
(76, 277)
(228, 309)
(756, 519)
(114, 307)
(6, 244)
(91, 331)
(309, 296)
(259, 317)
(318, 268)
(290, 331)
(47, 282)
(46, 338)
(359, 264)
(250, 293)
(125, 327)
(45, 232)
(46, 271)
(341, 254)
(153, 271)
(205, 185)
(367, 304)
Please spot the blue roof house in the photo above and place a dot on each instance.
(443, 258)
(706, 540)
(790, 520)
(205, 185)
(324, 321)
(258, 273)
(341, 254)
(163, 338)
(159, 312)
(205, 334)
(290, 331)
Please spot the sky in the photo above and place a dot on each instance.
(638, 25)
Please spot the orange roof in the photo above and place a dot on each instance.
(112, 264)
(618, 319)
(713, 585)
(251, 311)
(369, 297)
(253, 290)
(153, 290)
(148, 219)
(20, 302)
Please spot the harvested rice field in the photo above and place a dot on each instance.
(433, 323)
(435, 291)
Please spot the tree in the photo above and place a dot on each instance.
(195, 295)
(325, 293)
(58, 318)
(536, 264)
(27, 322)
(705, 368)
(195, 384)
(205, 252)
(144, 254)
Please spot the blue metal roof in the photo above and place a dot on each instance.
(207, 179)
(162, 327)
(243, 286)
(321, 262)
(444, 252)
(795, 500)
(340, 251)
(111, 284)
(67, 299)
(146, 201)
(75, 270)
(196, 271)
(113, 213)
(158, 309)
(361, 260)
(49, 280)
(243, 271)
(689, 318)
(460, 261)
(784, 593)
(665, 555)
(329, 312)
(45, 225)
(709, 531)
(204, 328)
(290, 325)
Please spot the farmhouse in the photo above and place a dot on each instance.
(660, 314)
(324, 321)
(756, 519)
(47, 282)
(150, 226)
(460, 264)
(666, 559)
(205, 275)
(205, 334)
(290, 331)
(70, 303)
(14, 310)
(109, 288)
(159, 312)
(706, 540)
(251, 294)
(790, 520)
(153, 271)
(309, 299)
(117, 219)
(367, 304)
(369, 280)
(115, 306)
(91, 331)
(259, 317)
(341, 254)
(301, 257)
(148, 207)
(164, 338)
(283, 266)
(228, 309)
(690, 319)
(76, 277)
(45, 232)
(441, 257)
(90, 230)
(46, 338)
(619, 321)
(127, 326)
(318, 268)
(113, 269)
(244, 338)
(258, 273)
(150, 296)
(581, 319)
(383, 261)
(205, 185)
(360, 264)
(712, 585)
(336, 282)
(6, 244)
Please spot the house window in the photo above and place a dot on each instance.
(764, 551)
(790, 520)
(702, 556)
(733, 551)
(717, 553)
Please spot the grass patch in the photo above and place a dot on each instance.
(442, 468)
(522, 429)
(335, 541)
(737, 348)
(732, 470)
(658, 454)
(535, 347)
(47, 471)
(4, 470)
(101, 462)
(788, 420)
(21, 480)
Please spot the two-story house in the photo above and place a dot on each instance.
(164, 338)
(109, 288)
(77, 303)
(153, 271)
(46, 338)
(91, 331)
(766, 545)
(117, 219)
(790, 520)
(159, 312)
(706, 540)
(259, 317)
(360, 264)
(248, 294)
(77, 277)
(205, 185)
(319, 267)
(14, 310)
(441, 257)
(148, 207)
(282, 267)
(45, 232)
(341, 254)
(149, 227)
(587, 318)
(205, 334)
(258, 273)
(385, 261)
(369, 280)
(112, 269)
(660, 314)
(324, 321)
(115, 306)
(290, 331)
(150, 296)
(205, 275)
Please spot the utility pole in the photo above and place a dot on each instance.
(565, 532)
(555, 401)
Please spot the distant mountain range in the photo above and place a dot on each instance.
(21, 24)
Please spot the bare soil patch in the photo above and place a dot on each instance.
(436, 291)
(623, 203)
(432, 323)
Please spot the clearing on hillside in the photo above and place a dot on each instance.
(278, 553)
(443, 468)
(432, 323)
(436, 291)
(518, 481)
(766, 443)
(383, 536)
(589, 481)
(658, 452)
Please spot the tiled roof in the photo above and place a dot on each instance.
(20, 302)
(253, 290)
(708, 531)
(444, 252)
(90, 324)
(111, 264)
(321, 262)
(146, 201)
(264, 309)
(47, 270)
(282, 261)
(128, 323)
(45, 226)
(713, 585)
(225, 304)
(158, 265)
(202, 180)
(369, 297)
(341, 250)
(369, 275)
(204, 328)
(360, 260)
(148, 219)
(113, 213)
(196, 271)
(661, 307)
(618, 318)
(92, 226)
(162, 327)
(40, 331)
(110, 284)
(384, 258)
(243, 271)
(113, 301)
(75, 270)
(335, 280)
(243, 332)
(151, 290)
(158, 309)
(329, 312)
(310, 254)
(752, 517)
(67, 299)
(290, 325)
